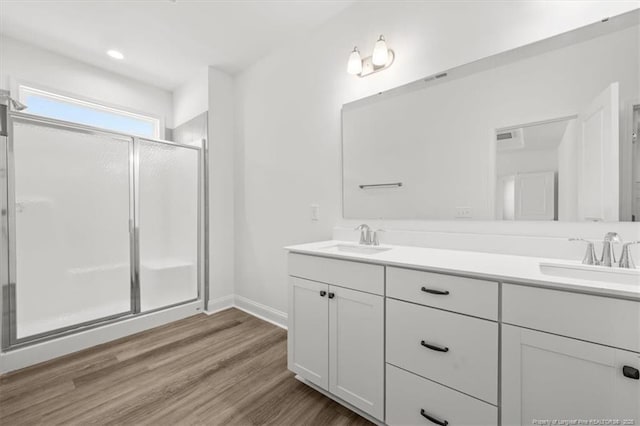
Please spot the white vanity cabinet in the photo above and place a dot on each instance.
(548, 376)
(419, 347)
(336, 332)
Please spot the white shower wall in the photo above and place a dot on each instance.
(73, 237)
(72, 227)
(168, 225)
(73, 210)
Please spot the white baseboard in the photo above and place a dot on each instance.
(264, 312)
(219, 304)
(261, 311)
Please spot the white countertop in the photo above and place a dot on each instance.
(503, 267)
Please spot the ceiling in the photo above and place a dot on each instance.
(545, 135)
(164, 42)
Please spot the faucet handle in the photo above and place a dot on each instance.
(612, 237)
(590, 257)
(375, 240)
(365, 234)
(608, 254)
(626, 261)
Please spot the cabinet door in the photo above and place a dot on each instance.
(356, 346)
(548, 377)
(308, 334)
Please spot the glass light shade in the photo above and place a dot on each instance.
(115, 54)
(380, 52)
(354, 66)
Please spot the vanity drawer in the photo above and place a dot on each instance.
(612, 322)
(408, 395)
(343, 273)
(470, 363)
(466, 295)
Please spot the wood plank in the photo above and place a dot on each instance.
(227, 368)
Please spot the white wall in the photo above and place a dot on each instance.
(221, 188)
(191, 98)
(30, 64)
(213, 91)
(288, 138)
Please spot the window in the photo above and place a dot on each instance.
(47, 104)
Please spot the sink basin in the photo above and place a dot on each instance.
(355, 249)
(591, 272)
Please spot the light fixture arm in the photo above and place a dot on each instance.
(368, 67)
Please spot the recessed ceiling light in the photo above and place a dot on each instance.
(115, 54)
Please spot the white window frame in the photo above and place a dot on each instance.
(22, 88)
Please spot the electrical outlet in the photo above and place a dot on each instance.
(315, 212)
(464, 212)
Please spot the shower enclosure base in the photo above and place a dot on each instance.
(40, 352)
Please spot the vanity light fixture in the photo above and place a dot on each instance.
(354, 66)
(380, 52)
(381, 59)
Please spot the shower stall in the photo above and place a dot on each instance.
(97, 227)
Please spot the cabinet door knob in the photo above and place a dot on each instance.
(434, 347)
(434, 291)
(331, 295)
(631, 372)
(323, 293)
(433, 419)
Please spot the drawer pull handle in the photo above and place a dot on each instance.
(434, 347)
(433, 419)
(323, 293)
(331, 295)
(433, 291)
(631, 372)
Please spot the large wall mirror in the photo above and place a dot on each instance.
(543, 132)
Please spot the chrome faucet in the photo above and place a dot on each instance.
(626, 261)
(365, 234)
(590, 255)
(608, 254)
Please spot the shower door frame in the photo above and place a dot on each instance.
(8, 255)
(136, 301)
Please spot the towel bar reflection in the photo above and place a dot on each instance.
(382, 185)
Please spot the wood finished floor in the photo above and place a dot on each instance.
(229, 368)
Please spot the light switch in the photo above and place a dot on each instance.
(315, 212)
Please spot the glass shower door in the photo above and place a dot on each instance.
(168, 219)
(72, 220)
